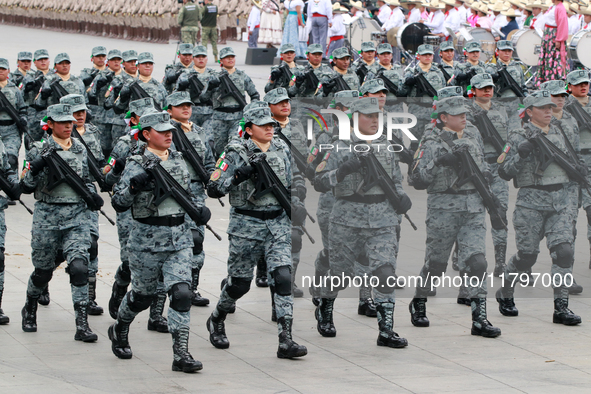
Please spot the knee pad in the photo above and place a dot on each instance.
(296, 240)
(1, 259)
(180, 297)
(93, 251)
(525, 261)
(138, 302)
(13, 161)
(41, 277)
(477, 264)
(59, 257)
(363, 260)
(78, 270)
(383, 273)
(282, 279)
(197, 242)
(562, 255)
(237, 287)
(436, 268)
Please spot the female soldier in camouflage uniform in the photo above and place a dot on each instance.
(160, 242)
(61, 220)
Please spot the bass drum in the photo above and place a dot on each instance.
(578, 48)
(357, 34)
(486, 39)
(527, 46)
(409, 36)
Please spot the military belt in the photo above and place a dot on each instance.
(8, 122)
(463, 192)
(262, 215)
(168, 221)
(586, 151)
(367, 199)
(229, 109)
(547, 188)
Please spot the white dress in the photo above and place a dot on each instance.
(271, 29)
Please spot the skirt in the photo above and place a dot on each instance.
(550, 63)
(270, 31)
(291, 35)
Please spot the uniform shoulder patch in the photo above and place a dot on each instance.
(215, 175)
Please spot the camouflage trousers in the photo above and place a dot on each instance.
(574, 191)
(500, 188)
(348, 246)
(124, 223)
(2, 240)
(146, 270)
(210, 34)
(531, 226)
(93, 252)
(585, 197)
(244, 254)
(202, 115)
(325, 204)
(423, 114)
(444, 228)
(189, 34)
(35, 129)
(12, 142)
(223, 127)
(74, 241)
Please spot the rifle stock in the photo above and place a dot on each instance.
(228, 88)
(489, 131)
(507, 82)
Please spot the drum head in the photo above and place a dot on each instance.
(410, 36)
(527, 44)
(357, 35)
(486, 39)
(579, 48)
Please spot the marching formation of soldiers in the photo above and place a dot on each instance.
(161, 148)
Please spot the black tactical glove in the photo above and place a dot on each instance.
(125, 94)
(100, 82)
(139, 183)
(299, 192)
(45, 93)
(98, 202)
(300, 81)
(348, 167)
(119, 166)
(410, 81)
(525, 148)
(37, 165)
(328, 87)
(404, 205)
(447, 160)
(275, 75)
(298, 214)
(310, 172)
(488, 176)
(213, 83)
(15, 191)
(213, 192)
(242, 174)
(205, 215)
(183, 84)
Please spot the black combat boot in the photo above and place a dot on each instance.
(418, 312)
(388, 337)
(119, 336)
(261, 275)
(197, 299)
(93, 308)
(157, 322)
(323, 315)
(366, 305)
(217, 330)
(117, 294)
(506, 304)
(563, 315)
(83, 331)
(3, 318)
(183, 361)
(480, 325)
(463, 296)
(288, 348)
(44, 297)
(29, 314)
(500, 257)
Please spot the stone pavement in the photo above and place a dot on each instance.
(531, 356)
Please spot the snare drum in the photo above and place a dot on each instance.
(527, 46)
(486, 39)
(578, 48)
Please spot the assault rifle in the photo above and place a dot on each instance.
(548, 153)
(60, 172)
(361, 72)
(406, 156)
(581, 116)
(35, 85)
(488, 131)
(337, 83)
(195, 87)
(228, 88)
(387, 83)
(310, 79)
(468, 171)
(14, 195)
(266, 181)
(444, 72)
(57, 90)
(167, 186)
(183, 145)
(93, 164)
(282, 73)
(7, 107)
(376, 175)
(424, 87)
(137, 92)
(506, 81)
